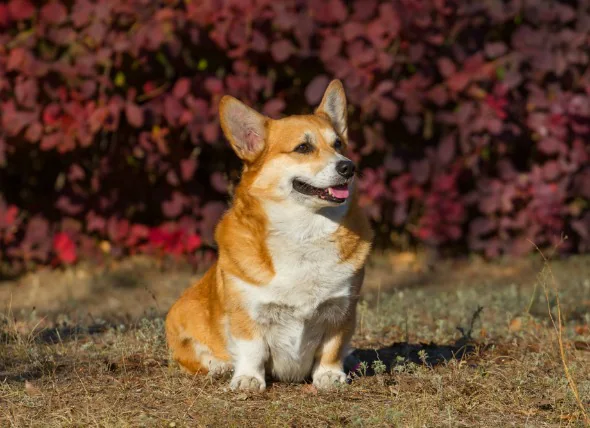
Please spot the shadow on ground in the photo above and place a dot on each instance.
(362, 362)
(402, 353)
(59, 333)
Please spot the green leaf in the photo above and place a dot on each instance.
(120, 79)
(168, 69)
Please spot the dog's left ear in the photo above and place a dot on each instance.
(334, 106)
(244, 127)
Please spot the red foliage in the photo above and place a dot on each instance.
(64, 248)
(471, 120)
(174, 242)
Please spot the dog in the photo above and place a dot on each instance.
(281, 299)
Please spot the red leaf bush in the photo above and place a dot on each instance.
(470, 120)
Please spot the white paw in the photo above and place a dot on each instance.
(219, 369)
(247, 383)
(329, 379)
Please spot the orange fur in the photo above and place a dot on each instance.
(331, 353)
(197, 316)
(199, 325)
(354, 236)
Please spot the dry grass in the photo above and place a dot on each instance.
(92, 353)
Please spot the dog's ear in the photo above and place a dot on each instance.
(244, 127)
(334, 106)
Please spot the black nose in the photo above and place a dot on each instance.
(345, 168)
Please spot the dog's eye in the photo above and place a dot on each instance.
(338, 144)
(304, 148)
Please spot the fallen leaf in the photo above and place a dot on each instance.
(31, 389)
(309, 389)
(515, 325)
(105, 246)
(568, 417)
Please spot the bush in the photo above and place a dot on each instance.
(470, 120)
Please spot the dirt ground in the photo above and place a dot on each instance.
(438, 343)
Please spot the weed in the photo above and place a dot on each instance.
(379, 367)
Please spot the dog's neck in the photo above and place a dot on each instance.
(297, 222)
(290, 219)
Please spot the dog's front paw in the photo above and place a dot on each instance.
(329, 379)
(247, 383)
(219, 369)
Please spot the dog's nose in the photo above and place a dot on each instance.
(345, 168)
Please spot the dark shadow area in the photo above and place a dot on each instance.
(402, 353)
(20, 376)
(59, 334)
(364, 362)
(361, 362)
(66, 333)
(34, 373)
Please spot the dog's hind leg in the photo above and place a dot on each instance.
(194, 329)
(195, 357)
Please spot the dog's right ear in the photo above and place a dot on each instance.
(244, 127)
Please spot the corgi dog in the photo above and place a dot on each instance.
(281, 299)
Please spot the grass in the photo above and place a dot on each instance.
(438, 344)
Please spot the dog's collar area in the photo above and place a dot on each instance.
(337, 193)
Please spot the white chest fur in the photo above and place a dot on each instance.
(310, 290)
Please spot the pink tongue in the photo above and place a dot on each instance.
(340, 192)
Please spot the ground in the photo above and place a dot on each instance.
(438, 343)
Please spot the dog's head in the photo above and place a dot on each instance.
(298, 158)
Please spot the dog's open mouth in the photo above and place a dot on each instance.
(338, 193)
